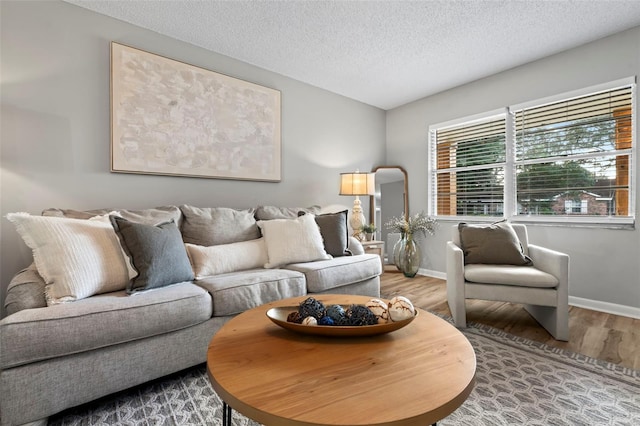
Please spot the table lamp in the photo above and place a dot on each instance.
(356, 183)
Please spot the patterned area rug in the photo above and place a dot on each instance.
(518, 382)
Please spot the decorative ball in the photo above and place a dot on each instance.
(401, 308)
(326, 321)
(310, 321)
(361, 315)
(311, 307)
(294, 317)
(380, 310)
(337, 314)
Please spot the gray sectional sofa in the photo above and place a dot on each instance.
(64, 350)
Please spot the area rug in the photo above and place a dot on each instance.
(518, 382)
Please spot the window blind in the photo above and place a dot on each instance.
(576, 150)
(470, 166)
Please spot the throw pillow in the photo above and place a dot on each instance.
(334, 231)
(292, 241)
(217, 225)
(224, 258)
(76, 258)
(494, 244)
(156, 252)
(105, 218)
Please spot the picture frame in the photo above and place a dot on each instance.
(176, 119)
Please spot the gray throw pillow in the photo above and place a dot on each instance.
(334, 231)
(157, 253)
(496, 244)
(211, 226)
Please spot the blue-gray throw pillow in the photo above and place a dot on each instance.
(157, 253)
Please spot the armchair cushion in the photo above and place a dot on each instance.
(496, 244)
(521, 276)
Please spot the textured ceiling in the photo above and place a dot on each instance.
(383, 53)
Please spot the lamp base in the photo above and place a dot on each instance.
(357, 219)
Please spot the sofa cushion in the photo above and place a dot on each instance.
(151, 216)
(217, 225)
(156, 252)
(37, 334)
(324, 275)
(225, 258)
(236, 292)
(25, 291)
(292, 240)
(355, 246)
(77, 258)
(274, 212)
(522, 276)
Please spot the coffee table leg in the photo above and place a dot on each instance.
(226, 414)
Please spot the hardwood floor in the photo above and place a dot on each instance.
(608, 337)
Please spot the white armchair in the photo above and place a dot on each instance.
(542, 287)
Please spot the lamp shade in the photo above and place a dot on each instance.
(357, 183)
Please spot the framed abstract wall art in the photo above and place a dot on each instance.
(172, 118)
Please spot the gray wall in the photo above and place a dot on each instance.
(605, 263)
(55, 126)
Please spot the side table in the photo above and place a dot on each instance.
(374, 247)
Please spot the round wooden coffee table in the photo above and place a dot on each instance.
(416, 375)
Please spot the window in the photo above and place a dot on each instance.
(569, 158)
(471, 160)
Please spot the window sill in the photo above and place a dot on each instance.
(566, 222)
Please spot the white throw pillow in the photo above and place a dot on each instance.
(76, 258)
(292, 241)
(224, 258)
(127, 260)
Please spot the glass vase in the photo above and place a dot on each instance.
(396, 251)
(409, 256)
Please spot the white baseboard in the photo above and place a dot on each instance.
(594, 305)
(610, 308)
(431, 273)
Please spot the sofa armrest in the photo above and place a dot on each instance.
(25, 291)
(355, 246)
